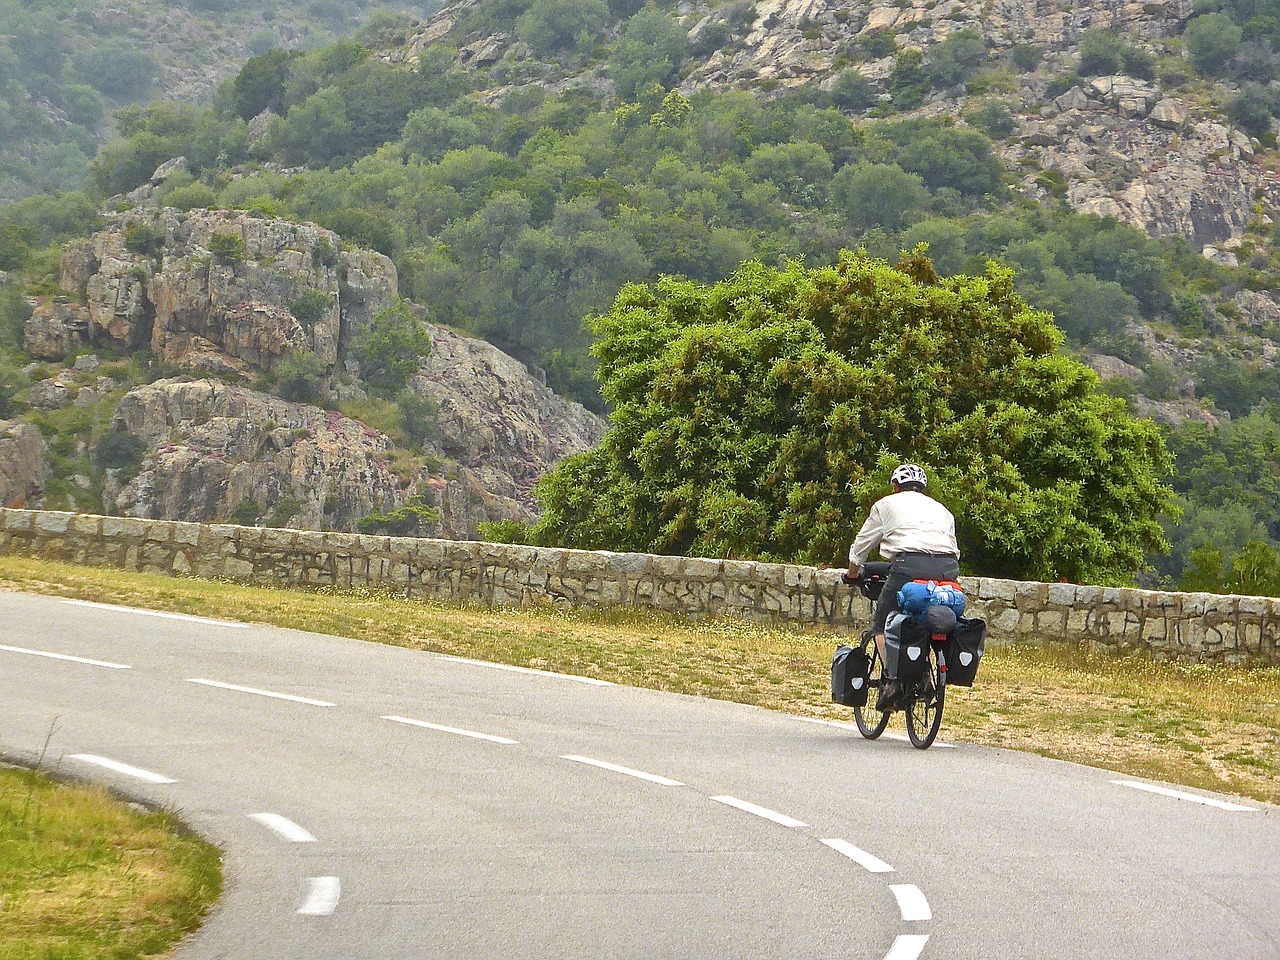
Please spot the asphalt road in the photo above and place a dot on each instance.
(409, 805)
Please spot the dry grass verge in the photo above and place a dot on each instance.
(84, 875)
(1213, 727)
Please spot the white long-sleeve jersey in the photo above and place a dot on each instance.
(906, 522)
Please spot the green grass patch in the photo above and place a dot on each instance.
(1199, 725)
(84, 875)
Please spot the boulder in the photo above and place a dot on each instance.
(55, 326)
(1169, 113)
(24, 468)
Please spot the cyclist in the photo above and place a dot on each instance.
(917, 535)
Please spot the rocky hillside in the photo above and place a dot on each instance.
(240, 298)
(1157, 153)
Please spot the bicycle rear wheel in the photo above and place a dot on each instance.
(924, 712)
(871, 722)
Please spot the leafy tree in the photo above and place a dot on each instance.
(1255, 571)
(953, 61)
(299, 376)
(1212, 40)
(651, 50)
(909, 85)
(1105, 53)
(1253, 108)
(260, 84)
(852, 91)
(310, 306)
(391, 348)
(553, 26)
(799, 170)
(878, 194)
(994, 119)
(116, 69)
(760, 417)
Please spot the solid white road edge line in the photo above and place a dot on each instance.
(283, 826)
(70, 659)
(159, 613)
(849, 726)
(1179, 795)
(911, 901)
(122, 768)
(538, 673)
(907, 947)
(454, 730)
(261, 693)
(859, 856)
(323, 898)
(640, 774)
(768, 814)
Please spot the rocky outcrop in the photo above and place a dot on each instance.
(212, 291)
(216, 449)
(497, 420)
(218, 452)
(23, 465)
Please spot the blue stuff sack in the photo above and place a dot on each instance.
(919, 595)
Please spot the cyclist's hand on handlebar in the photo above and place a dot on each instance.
(852, 574)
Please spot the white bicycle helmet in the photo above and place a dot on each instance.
(909, 473)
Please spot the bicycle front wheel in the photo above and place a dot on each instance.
(871, 722)
(924, 712)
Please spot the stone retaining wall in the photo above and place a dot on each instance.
(1191, 626)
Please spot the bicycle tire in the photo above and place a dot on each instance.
(924, 712)
(871, 722)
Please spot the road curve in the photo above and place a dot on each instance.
(381, 803)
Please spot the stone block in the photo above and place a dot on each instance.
(1030, 591)
(187, 534)
(86, 524)
(282, 540)
(237, 569)
(702, 568)
(1062, 594)
(800, 578)
(158, 531)
(50, 522)
(19, 519)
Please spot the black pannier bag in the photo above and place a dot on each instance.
(906, 648)
(849, 671)
(964, 651)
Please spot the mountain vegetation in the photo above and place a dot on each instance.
(67, 66)
(520, 186)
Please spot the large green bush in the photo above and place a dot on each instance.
(759, 417)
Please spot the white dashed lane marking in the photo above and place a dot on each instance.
(859, 856)
(911, 902)
(122, 768)
(766, 813)
(453, 730)
(260, 693)
(69, 659)
(322, 899)
(283, 827)
(907, 947)
(628, 771)
(537, 673)
(187, 618)
(1193, 798)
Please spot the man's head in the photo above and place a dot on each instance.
(909, 476)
